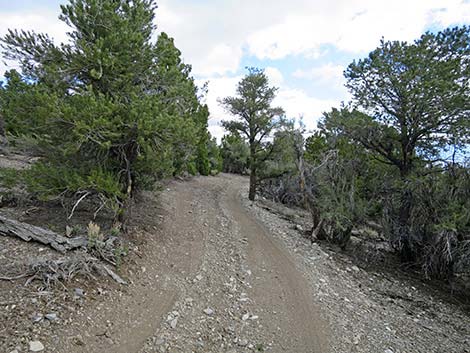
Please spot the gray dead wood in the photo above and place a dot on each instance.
(114, 275)
(28, 232)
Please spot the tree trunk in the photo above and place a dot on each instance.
(3, 138)
(403, 233)
(308, 200)
(406, 247)
(2, 126)
(253, 181)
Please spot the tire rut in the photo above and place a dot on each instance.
(280, 289)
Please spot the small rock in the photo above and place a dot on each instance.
(78, 340)
(14, 351)
(243, 343)
(188, 301)
(198, 277)
(37, 317)
(357, 340)
(355, 269)
(159, 342)
(245, 317)
(388, 351)
(79, 292)
(36, 346)
(173, 323)
(51, 317)
(209, 311)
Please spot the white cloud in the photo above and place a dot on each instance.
(214, 36)
(217, 131)
(299, 104)
(329, 76)
(219, 87)
(325, 73)
(353, 26)
(275, 76)
(455, 11)
(41, 22)
(296, 102)
(221, 59)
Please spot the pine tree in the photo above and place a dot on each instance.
(257, 118)
(126, 106)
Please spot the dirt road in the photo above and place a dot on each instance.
(210, 271)
(279, 286)
(211, 280)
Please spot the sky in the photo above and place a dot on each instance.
(304, 45)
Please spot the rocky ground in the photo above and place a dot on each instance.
(369, 310)
(209, 271)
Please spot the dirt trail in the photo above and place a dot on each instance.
(210, 271)
(280, 287)
(210, 280)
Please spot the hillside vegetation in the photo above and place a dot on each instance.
(110, 112)
(391, 162)
(115, 109)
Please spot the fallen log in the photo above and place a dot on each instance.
(28, 232)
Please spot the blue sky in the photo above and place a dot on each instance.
(304, 45)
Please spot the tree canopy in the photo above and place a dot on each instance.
(119, 109)
(257, 119)
(410, 101)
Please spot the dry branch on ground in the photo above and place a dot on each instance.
(28, 232)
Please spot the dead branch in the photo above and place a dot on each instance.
(77, 203)
(114, 275)
(2, 278)
(28, 232)
(61, 271)
(8, 303)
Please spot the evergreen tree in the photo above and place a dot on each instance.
(410, 102)
(127, 111)
(413, 99)
(179, 97)
(235, 154)
(257, 118)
